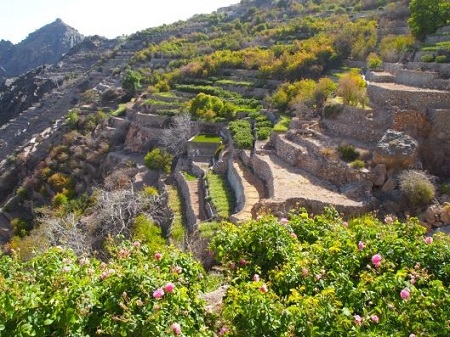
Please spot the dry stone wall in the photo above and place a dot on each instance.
(436, 149)
(417, 78)
(189, 212)
(307, 156)
(261, 169)
(282, 208)
(235, 182)
(357, 123)
(413, 123)
(403, 97)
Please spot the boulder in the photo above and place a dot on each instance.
(396, 150)
(379, 174)
(389, 185)
(445, 214)
(431, 214)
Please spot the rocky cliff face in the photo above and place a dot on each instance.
(44, 46)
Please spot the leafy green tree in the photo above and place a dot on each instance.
(427, 16)
(209, 107)
(324, 88)
(352, 89)
(159, 160)
(131, 82)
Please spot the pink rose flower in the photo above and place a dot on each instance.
(233, 265)
(256, 278)
(158, 293)
(284, 221)
(361, 245)
(412, 335)
(376, 260)
(374, 318)
(345, 224)
(305, 272)
(404, 294)
(242, 262)
(428, 240)
(263, 288)
(293, 235)
(177, 270)
(223, 331)
(357, 320)
(158, 256)
(176, 328)
(169, 287)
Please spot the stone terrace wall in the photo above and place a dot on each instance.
(436, 150)
(414, 123)
(235, 181)
(189, 212)
(260, 168)
(147, 119)
(442, 68)
(417, 78)
(356, 123)
(307, 156)
(413, 99)
(282, 208)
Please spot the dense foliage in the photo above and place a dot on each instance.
(428, 15)
(159, 160)
(137, 293)
(322, 276)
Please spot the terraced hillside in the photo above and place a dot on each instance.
(288, 86)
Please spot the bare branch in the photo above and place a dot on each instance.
(175, 138)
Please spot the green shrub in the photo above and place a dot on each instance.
(20, 226)
(441, 59)
(137, 293)
(120, 111)
(427, 58)
(323, 276)
(416, 187)
(283, 124)
(374, 61)
(263, 133)
(59, 200)
(158, 160)
(358, 164)
(348, 152)
(242, 134)
(145, 231)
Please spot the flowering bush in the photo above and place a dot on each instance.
(361, 278)
(138, 293)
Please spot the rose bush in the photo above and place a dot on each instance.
(137, 293)
(333, 278)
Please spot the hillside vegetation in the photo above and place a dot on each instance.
(308, 276)
(99, 180)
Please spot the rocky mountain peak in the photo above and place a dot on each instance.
(44, 46)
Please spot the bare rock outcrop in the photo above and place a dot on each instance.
(396, 150)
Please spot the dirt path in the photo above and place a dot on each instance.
(291, 182)
(253, 192)
(196, 202)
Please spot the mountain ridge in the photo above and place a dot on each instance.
(46, 45)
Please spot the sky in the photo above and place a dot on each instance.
(108, 18)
